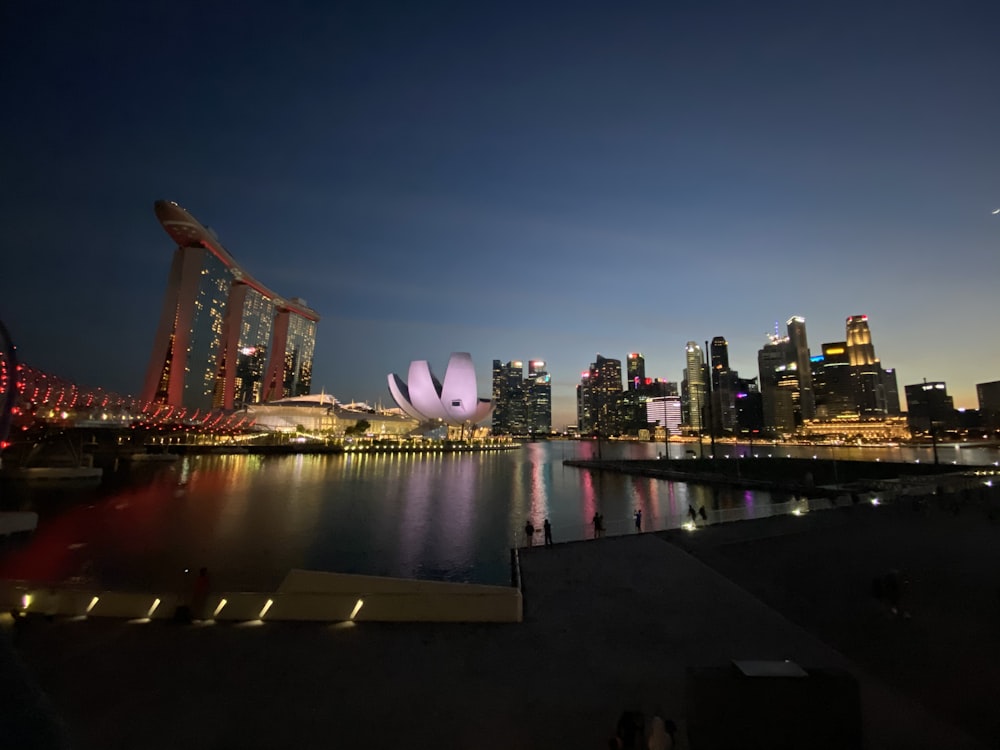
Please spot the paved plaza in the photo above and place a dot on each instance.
(611, 624)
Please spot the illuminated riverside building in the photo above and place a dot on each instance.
(223, 339)
(322, 413)
(889, 429)
(664, 410)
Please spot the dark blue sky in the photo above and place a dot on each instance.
(513, 180)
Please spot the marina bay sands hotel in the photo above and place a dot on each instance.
(224, 339)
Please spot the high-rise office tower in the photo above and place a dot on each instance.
(720, 356)
(860, 350)
(538, 399)
(773, 358)
(749, 407)
(223, 338)
(724, 388)
(865, 368)
(697, 387)
(891, 390)
(833, 384)
(989, 403)
(928, 406)
(636, 371)
(509, 399)
(800, 353)
(606, 394)
(584, 405)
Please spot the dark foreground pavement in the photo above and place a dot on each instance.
(610, 624)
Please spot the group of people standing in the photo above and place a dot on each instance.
(529, 533)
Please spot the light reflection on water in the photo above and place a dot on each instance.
(444, 516)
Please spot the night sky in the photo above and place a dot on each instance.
(538, 180)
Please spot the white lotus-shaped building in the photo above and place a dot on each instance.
(454, 401)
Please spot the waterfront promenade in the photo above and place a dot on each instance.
(610, 625)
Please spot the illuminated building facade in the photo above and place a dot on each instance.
(665, 410)
(453, 401)
(538, 398)
(694, 388)
(522, 406)
(869, 393)
(833, 383)
(749, 407)
(724, 386)
(606, 394)
(800, 356)
(509, 416)
(636, 371)
(584, 403)
(599, 399)
(223, 339)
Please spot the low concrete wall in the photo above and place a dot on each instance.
(303, 596)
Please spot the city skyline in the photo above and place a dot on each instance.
(551, 184)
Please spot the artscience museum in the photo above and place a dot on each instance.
(454, 401)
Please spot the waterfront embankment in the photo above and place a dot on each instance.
(610, 625)
(814, 478)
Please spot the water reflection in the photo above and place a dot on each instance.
(448, 516)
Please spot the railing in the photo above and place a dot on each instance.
(616, 527)
(949, 488)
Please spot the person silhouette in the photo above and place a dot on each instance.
(548, 532)
(529, 533)
(638, 519)
(702, 513)
(692, 514)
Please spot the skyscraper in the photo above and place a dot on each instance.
(636, 371)
(777, 367)
(723, 386)
(833, 385)
(866, 370)
(694, 376)
(720, 356)
(800, 353)
(584, 405)
(509, 412)
(223, 338)
(538, 399)
(521, 406)
(606, 393)
(929, 407)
